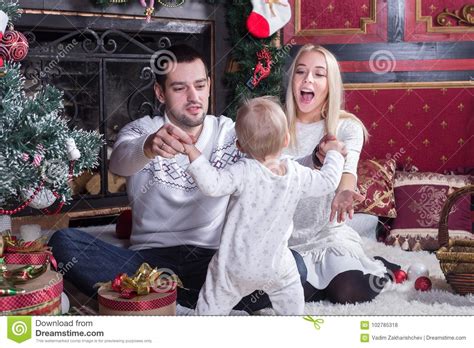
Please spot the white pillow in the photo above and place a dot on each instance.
(364, 224)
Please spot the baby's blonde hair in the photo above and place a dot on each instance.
(261, 127)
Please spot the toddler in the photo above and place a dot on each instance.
(265, 190)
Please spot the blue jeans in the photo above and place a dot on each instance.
(85, 260)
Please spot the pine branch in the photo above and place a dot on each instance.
(11, 8)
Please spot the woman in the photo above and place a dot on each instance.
(338, 269)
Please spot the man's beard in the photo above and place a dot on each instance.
(188, 123)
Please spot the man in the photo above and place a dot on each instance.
(174, 225)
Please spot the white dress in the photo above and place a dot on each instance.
(253, 252)
(328, 248)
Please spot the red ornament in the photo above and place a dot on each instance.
(423, 284)
(14, 46)
(400, 276)
(262, 69)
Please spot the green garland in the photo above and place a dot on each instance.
(244, 52)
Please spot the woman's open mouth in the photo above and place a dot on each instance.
(306, 96)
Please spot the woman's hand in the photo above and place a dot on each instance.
(342, 204)
(321, 149)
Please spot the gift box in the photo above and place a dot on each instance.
(150, 291)
(110, 303)
(42, 296)
(18, 252)
(38, 258)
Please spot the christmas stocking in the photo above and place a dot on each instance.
(3, 26)
(267, 17)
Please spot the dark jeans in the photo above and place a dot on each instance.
(85, 260)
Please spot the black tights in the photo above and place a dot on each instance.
(351, 286)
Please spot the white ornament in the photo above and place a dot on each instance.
(5, 223)
(3, 22)
(43, 199)
(30, 233)
(416, 271)
(72, 152)
(64, 303)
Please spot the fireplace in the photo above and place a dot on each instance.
(102, 64)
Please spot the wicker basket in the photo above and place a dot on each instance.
(456, 257)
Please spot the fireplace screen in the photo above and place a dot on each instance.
(106, 79)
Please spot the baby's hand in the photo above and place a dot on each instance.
(191, 151)
(337, 145)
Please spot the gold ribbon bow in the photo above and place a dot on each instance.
(145, 280)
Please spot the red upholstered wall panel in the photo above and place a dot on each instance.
(341, 21)
(428, 125)
(421, 22)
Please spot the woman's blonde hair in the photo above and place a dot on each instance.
(261, 127)
(333, 106)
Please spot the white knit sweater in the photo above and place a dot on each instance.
(168, 208)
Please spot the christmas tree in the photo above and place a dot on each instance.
(39, 154)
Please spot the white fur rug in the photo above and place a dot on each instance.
(396, 299)
(403, 299)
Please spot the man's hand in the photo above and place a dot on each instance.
(342, 204)
(166, 142)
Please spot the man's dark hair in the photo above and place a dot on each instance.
(177, 53)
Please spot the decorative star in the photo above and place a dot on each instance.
(461, 107)
(364, 7)
(409, 125)
(314, 24)
(444, 90)
(374, 91)
(330, 7)
(409, 90)
(443, 159)
(391, 142)
(433, 8)
(357, 108)
(444, 124)
(426, 142)
(461, 141)
(374, 125)
(409, 159)
(347, 24)
(426, 107)
(391, 108)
